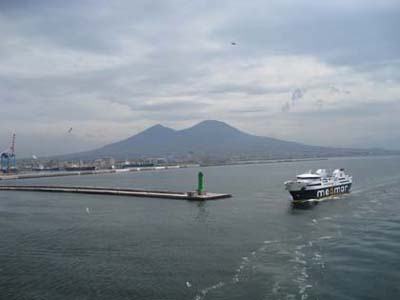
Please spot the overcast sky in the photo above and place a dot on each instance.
(318, 72)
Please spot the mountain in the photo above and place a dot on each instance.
(213, 138)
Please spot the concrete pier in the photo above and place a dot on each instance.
(193, 196)
(89, 172)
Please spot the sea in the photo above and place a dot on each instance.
(252, 246)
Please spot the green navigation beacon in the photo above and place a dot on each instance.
(200, 185)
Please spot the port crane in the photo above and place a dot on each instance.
(7, 158)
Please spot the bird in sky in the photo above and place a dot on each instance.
(70, 130)
(233, 43)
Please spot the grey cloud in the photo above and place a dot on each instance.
(286, 107)
(171, 50)
(336, 33)
(335, 90)
(381, 70)
(363, 110)
(248, 89)
(297, 95)
(319, 103)
(169, 106)
(250, 110)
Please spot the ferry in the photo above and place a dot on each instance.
(319, 184)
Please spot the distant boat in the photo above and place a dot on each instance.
(80, 168)
(136, 165)
(46, 169)
(319, 185)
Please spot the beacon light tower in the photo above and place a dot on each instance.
(200, 184)
(7, 158)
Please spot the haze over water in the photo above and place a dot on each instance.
(253, 246)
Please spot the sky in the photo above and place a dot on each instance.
(76, 75)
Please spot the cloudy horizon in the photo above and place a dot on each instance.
(321, 73)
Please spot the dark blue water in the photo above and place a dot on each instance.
(253, 246)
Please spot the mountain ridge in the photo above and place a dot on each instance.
(212, 138)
